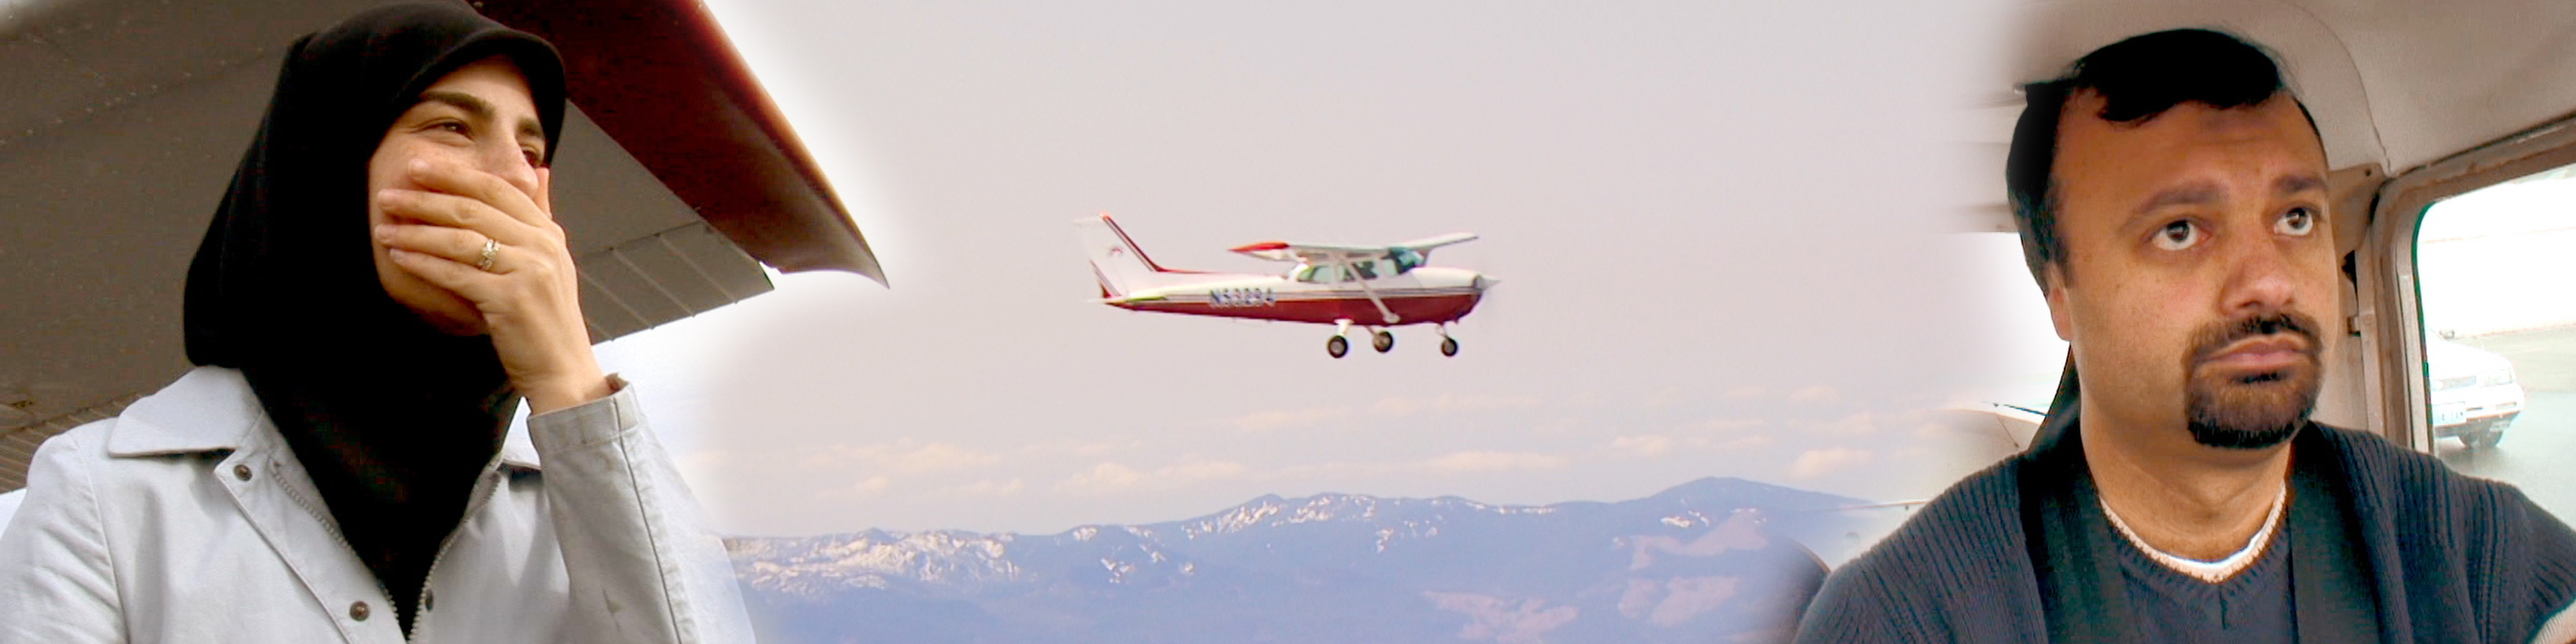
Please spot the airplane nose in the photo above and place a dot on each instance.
(1484, 281)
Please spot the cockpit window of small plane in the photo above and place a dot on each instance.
(1367, 269)
(1318, 274)
(1406, 260)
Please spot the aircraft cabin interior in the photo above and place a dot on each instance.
(2454, 187)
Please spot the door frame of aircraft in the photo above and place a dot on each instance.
(2390, 316)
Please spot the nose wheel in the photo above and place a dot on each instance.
(1382, 340)
(1449, 347)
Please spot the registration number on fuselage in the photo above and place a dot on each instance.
(1242, 297)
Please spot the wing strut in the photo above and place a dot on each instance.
(1382, 311)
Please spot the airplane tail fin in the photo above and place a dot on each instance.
(1120, 266)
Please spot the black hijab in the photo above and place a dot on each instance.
(391, 418)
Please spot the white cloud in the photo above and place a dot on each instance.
(989, 487)
(1646, 446)
(1584, 400)
(1263, 421)
(1748, 392)
(701, 468)
(841, 455)
(1494, 462)
(942, 456)
(1819, 462)
(1083, 447)
(1667, 397)
(1745, 442)
(1104, 476)
(1562, 426)
(1396, 406)
(1815, 394)
(900, 456)
(1096, 449)
(1202, 470)
(1112, 477)
(1860, 424)
(1723, 425)
(1450, 403)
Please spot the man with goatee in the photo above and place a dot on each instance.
(2171, 197)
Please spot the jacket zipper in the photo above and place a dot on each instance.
(331, 526)
(491, 484)
(420, 611)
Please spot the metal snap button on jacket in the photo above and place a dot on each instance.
(358, 611)
(241, 472)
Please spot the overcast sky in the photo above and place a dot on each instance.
(1724, 230)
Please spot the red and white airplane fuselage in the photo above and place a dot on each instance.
(1365, 286)
(1428, 295)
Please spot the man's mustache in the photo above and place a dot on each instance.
(2213, 339)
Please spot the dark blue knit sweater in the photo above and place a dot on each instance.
(2457, 560)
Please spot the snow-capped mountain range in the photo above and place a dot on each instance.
(1711, 560)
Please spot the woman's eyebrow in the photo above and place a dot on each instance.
(527, 127)
(472, 104)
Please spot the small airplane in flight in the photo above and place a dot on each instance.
(1365, 286)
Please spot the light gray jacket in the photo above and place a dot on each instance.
(186, 519)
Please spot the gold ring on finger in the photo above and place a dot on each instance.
(491, 251)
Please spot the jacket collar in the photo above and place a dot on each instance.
(212, 409)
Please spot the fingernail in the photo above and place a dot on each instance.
(397, 253)
(385, 233)
(419, 166)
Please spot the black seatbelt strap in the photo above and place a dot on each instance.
(2080, 587)
(2331, 583)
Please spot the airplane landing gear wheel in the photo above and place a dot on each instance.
(1449, 346)
(1383, 341)
(1337, 346)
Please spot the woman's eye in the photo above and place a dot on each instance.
(535, 159)
(2177, 236)
(2297, 222)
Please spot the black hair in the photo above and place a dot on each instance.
(2138, 79)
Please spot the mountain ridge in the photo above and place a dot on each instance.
(1709, 556)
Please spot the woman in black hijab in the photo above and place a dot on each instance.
(385, 279)
(390, 416)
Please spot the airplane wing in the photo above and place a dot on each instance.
(1308, 253)
(1280, 251)
(1425, 245)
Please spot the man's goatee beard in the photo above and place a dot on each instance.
(2251, 412)
(2223, 429)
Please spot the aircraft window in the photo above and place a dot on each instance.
(1406, 260)
(1319, 274)
(1367, 270)
(2492, 272)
